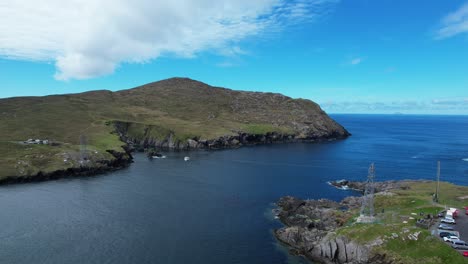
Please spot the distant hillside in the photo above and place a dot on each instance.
(173, 113)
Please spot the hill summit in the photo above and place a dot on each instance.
(97, 129)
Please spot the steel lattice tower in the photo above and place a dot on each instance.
(436, 195)
(367, 208)
(83, 147)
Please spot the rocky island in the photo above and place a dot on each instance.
(326, 231)
(96, 131)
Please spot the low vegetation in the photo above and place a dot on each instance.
(179, 108)
(397, 212)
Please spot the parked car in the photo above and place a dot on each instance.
(460, 245)
(448, 221)
(465, 253)
(442, 213)
(444, 234)
(445, 227)
(451, 238)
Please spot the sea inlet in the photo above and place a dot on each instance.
(216, 208)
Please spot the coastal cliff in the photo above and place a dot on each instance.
(310, 230)
(95, 130)
(212, 118)
(233, 140)
(326, 231)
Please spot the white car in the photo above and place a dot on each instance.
(451, 238)
(448, 221)
(459, 245)
(445, 227)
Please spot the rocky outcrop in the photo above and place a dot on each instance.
(176, 113)
(215, 118)
(378, 186)
(310, 231)
(311, 225)
(341, 250)
(120, 160)
(237, 139)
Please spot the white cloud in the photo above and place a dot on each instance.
(90, 38)
(390, 70)
(226, 64)
(356, 61)
(454, 23)
(450, 101)
(457, 105)
(352, 61)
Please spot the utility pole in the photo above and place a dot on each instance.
(436, 197)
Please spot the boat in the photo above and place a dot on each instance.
(157, 156)
(186, 158)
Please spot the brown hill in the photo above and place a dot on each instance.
(173, 113)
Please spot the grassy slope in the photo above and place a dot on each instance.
(182, 107)
(60, 118)
(397, 208)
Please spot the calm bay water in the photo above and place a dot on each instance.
(216, 208)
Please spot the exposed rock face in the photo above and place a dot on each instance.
(341, 250)
(227, 141)
(176, 113)
(310, 227)
(233, 118)
(194, 101)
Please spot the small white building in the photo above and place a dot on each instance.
(36, 141)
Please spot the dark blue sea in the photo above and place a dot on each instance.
(216, 208)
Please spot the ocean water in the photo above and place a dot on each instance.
(216, 208)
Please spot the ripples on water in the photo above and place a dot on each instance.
(216, 207)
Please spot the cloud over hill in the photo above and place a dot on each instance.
(90, 38)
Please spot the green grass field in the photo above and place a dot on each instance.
(404, 205)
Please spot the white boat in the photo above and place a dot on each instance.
(159, 157)
(186, 158)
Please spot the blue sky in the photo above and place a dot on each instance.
(357, 56)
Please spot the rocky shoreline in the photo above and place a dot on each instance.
(121, 160)
(124, 159)
(311, 225)
(172, 114)
(238, 139)
(360, 186)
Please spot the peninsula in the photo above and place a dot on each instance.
(404, 229)
(87, 133)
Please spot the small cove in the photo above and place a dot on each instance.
(216, 207)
